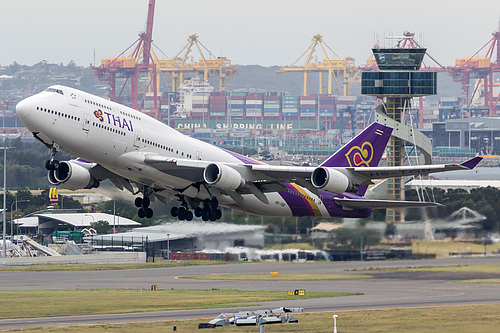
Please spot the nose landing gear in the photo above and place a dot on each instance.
(51, 163)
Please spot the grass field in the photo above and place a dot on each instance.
(456, 319)
(53, 303)
(443, 248)
(472, 268)
(109, 267)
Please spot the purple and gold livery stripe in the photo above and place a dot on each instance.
(300, 203)
(244, 159)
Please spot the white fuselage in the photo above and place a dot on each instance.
(119, 138)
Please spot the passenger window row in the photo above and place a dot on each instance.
(130, 115)
(98, 105)
(57, 113)
(108, 128)
(157, 145)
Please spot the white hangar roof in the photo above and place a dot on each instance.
(182, 230)
(79, 220)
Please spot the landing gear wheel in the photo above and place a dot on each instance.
(205, 215)
(214, 203)
(189, 215)
(182, 213)
(198, 211)
(218, 214)
(174, 211)
(141, 213)
(212, 216)
(149, 213)
(138, 202)
(52, 164)
(145, 202)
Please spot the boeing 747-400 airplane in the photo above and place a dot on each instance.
(146, 157)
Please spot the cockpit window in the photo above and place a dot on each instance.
(59, 91)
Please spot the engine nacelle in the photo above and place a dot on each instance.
(72, 176)
(222, 176)
(331, 180)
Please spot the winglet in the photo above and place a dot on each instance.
(471, 164)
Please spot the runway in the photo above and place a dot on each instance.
(384, 290)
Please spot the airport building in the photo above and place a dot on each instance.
(46, 222)
(185, 236)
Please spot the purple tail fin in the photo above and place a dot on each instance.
(364, 150)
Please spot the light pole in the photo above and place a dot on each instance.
(335, 323)
(168, 247)
(93, 219)
(4, 248)
(11, 220)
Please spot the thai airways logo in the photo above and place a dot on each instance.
(360, 156)
(113, 120)
(98, 115)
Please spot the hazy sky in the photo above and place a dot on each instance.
(272, 32)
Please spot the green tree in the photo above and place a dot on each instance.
(101, 226)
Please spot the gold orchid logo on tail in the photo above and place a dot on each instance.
(360, 156)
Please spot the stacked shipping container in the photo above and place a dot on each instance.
(200, 106)
(290, 107)
(236, 104)
(308, 106)
(254, 105)
(217, 106)
(272, 107)
(326, 106)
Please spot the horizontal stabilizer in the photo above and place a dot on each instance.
(401, 171)
(379, 204)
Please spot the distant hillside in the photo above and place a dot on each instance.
(255, 78)
(27, 80)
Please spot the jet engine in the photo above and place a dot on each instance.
(72, 176)
(331, 180)
(222, 176)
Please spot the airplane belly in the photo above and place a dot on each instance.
(275, 207)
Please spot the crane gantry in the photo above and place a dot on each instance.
(139, 62)
(208, 65)
(333, 65)
(142, 62)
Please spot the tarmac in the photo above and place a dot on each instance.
(385, 290)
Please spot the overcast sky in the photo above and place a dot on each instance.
(271, 32)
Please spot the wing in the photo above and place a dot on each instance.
(191, 170)
(257, 179)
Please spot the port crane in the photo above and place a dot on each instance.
(138, 63)
(333, 65)
(208, 65)
(482, 68)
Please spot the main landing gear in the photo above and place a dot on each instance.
(208, 212)
(144, 209)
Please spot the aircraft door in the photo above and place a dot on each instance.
(86, 122)
(137, 139)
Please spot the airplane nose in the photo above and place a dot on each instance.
(23, 108)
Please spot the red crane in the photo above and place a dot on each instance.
(133, 67)
(480, 68)
(466, 69)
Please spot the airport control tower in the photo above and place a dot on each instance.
(397, 82)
